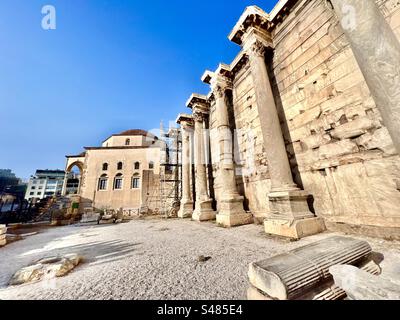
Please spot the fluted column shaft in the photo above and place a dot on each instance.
(225, 138)
(289, 214)
(200, 159)
(278, 162)
(186, 194)
(290, 275)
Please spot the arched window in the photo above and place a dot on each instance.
(135, 182)
(103, 182)
(119, 166)
(105, 166)
(128, 142)
(118, 182)
(137, 165)
(151, 165)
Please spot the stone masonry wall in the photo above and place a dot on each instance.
(391, 10)
(334, 132)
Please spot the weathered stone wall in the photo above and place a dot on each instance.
(391, 11)
(334, 132)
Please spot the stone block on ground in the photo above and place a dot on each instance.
(74, 258)
(3, 231)
(48, 267)
(289, 276)
(3, 236)
(90, 217)
(61, 268)
(333, 292)
(28, 274)
(361, 285)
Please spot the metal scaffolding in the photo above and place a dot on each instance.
(170, 172)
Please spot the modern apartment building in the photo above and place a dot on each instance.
(45, 183)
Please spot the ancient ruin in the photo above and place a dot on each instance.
(300, 130)
(296, 138)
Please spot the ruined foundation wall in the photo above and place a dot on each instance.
(333, 129)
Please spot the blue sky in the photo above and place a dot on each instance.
(111, 65)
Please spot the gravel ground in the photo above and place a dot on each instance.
(151, 259)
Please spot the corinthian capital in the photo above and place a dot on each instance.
(255, 43)
(198, 116)
(219, 81)
(257, 49)
(218, 91)
(187, 125)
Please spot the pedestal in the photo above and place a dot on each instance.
(186, 210)
(290, 216)
(296, 229)
(204, 211)
(231, 213)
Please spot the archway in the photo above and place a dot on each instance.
(73, 178)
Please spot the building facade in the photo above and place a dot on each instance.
(301, 131)
(7, 180)
(44, 184)
(123, 173)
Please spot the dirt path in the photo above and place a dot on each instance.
(150, 259)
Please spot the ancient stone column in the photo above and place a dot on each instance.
(64, 187)
(289, 212)
(203, 205)
(377, 51)
(186, 208)
(279, 167)
(230, 209)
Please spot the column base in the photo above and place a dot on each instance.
(290, 204)
(231, 213)
(186, 210)
(290, 215)
(294, 229)
(203, 211)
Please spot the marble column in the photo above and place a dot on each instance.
(64, 187)
(186, 208)
(377, 51)
(230, 205)
(289, 215)
(203, 205)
